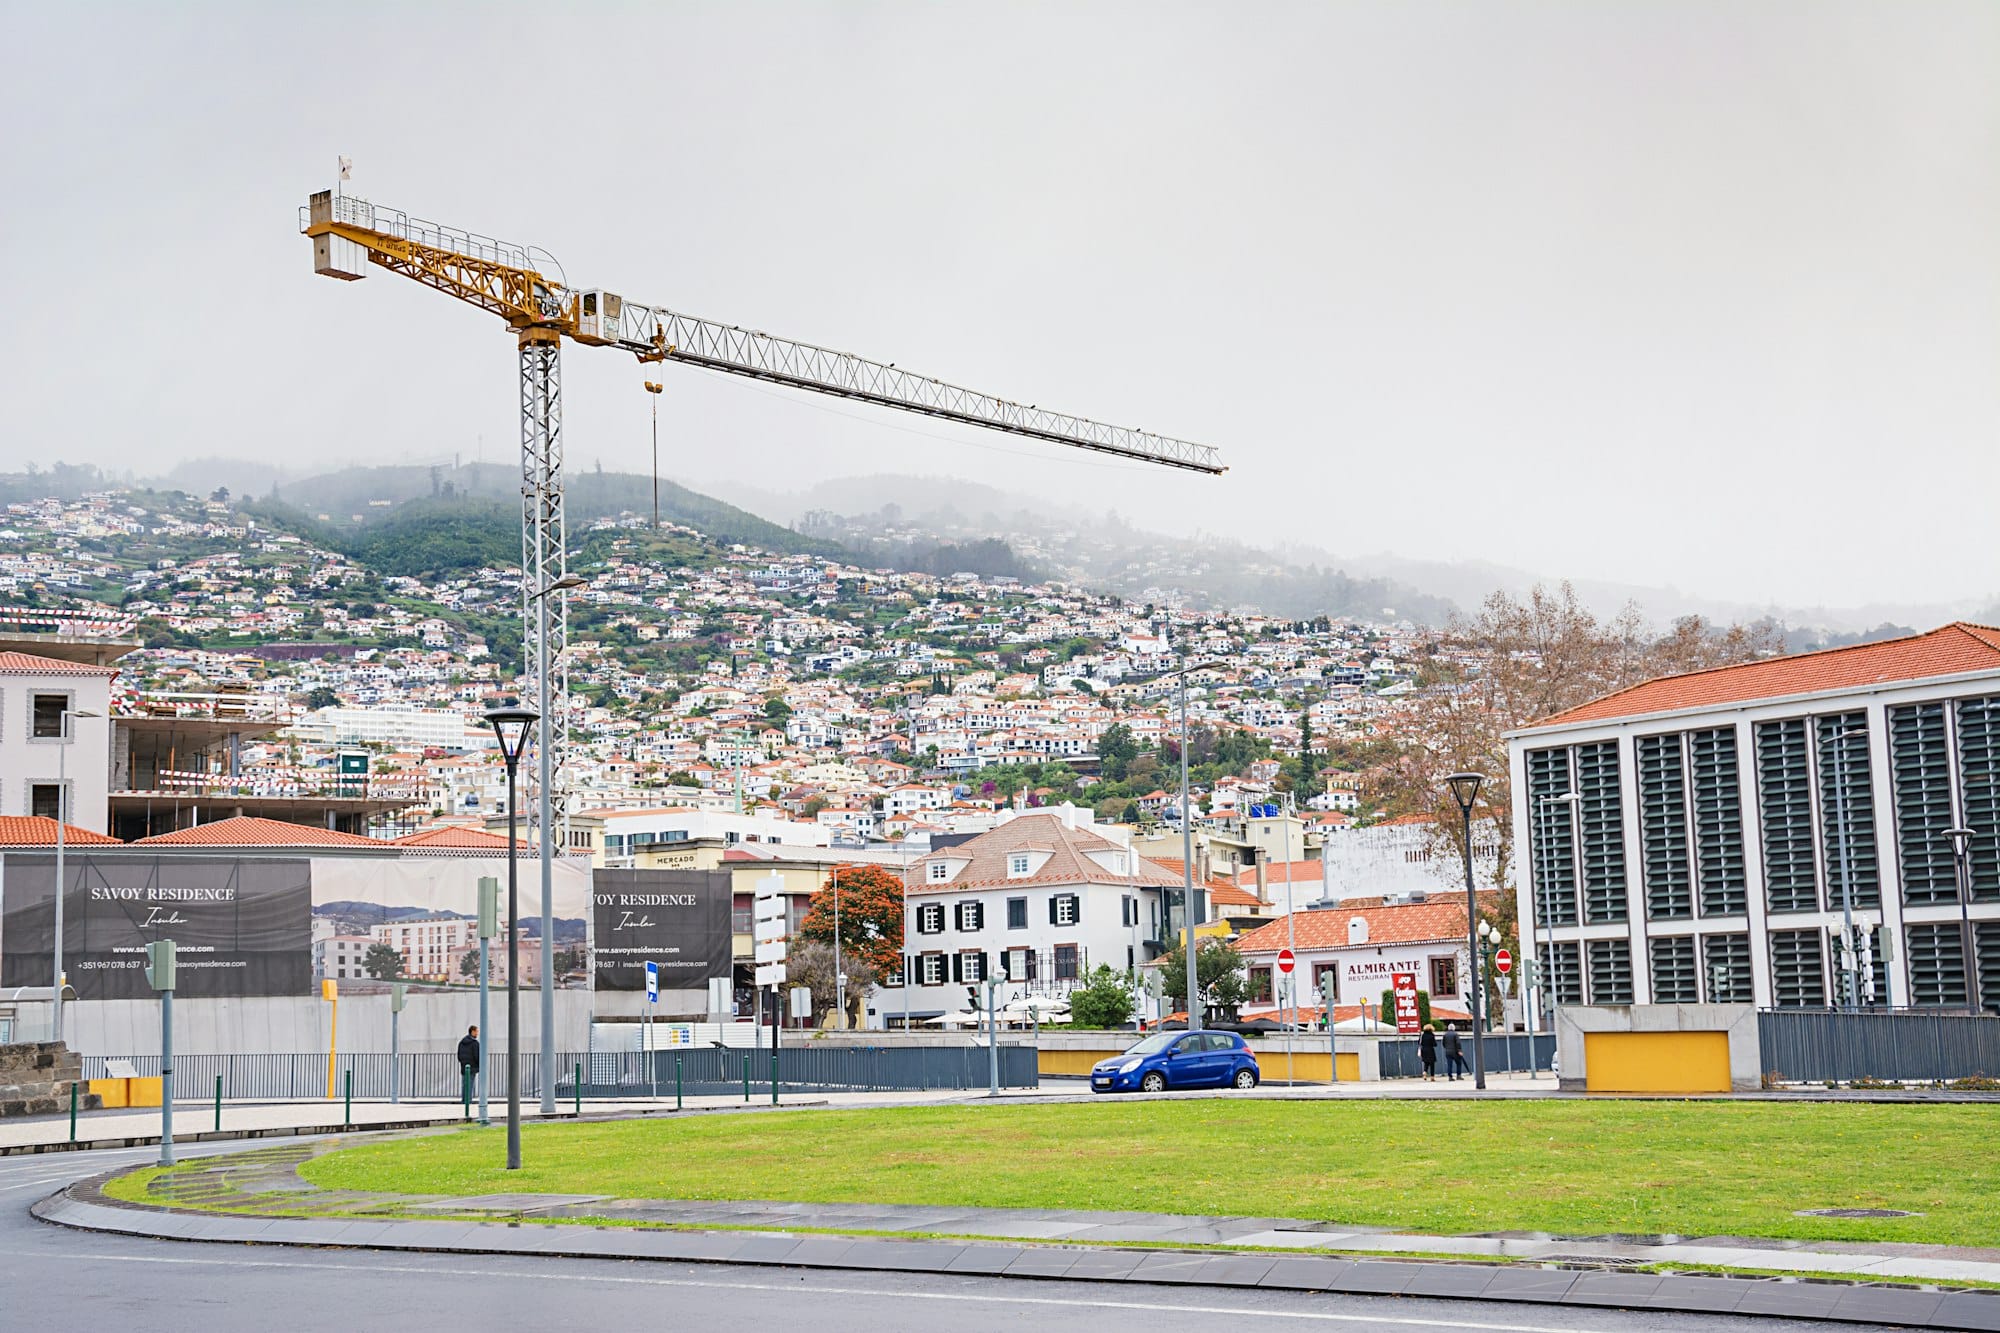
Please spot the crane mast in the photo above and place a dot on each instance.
(527, 289)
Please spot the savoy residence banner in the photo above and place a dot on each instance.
(676, 918)
(241, 926)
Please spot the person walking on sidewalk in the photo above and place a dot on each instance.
(1427, 1050)
(1454, 1052)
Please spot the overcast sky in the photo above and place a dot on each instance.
(1700, 294)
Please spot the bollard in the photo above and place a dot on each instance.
(579, 1089)
(677, 1084)
(465, 1091)
(774, 1078)
(347, 1113)
(72, 1111)
(218, 1103)
(746, 1078)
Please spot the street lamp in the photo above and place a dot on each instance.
(1187, 851)
(510, 728)
(1465, 790)
(545, 761)
(1961, 850)
(62, 883)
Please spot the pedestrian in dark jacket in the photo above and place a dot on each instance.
(468, 1053)
(1427, 1048)
(1454, 1052)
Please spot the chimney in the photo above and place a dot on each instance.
(1263, 888)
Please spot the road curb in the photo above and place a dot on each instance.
(1566, 1285)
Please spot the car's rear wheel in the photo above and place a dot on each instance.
(1153, 1082)
(1246, 1078)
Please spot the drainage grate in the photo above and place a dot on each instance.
(1854, 1213)
(1595, 1261)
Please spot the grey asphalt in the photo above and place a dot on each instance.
(53, 1277)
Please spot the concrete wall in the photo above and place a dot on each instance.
(1653, 1061)
(431, 1021)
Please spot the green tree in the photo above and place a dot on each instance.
(382, 962)
(468, 966)
(1218, 970)
(1117, 749)
(1103, 1001)
(776, 709)
(322, 696)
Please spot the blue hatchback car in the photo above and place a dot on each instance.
(1206, 1059)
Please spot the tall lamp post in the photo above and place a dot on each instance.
(1465, 790)
(1961, 852)
(545, 762)
(62, 884)
(510, 727)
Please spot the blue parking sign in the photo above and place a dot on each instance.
(652, 983)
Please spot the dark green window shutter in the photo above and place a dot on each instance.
(1675, 980)
(1603, 825)
(1725, 969)
(1718, 822)
(1798, 969)
(1847, 811)
(1920, 788)
(1610, 972)
(1937, 964)
(1552, 837)
(1979, 791)
(1663, 829)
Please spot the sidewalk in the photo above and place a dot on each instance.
(258, 1197)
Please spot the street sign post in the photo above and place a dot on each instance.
(1287, 960)
(160, 968)
(652, 1016)
(1327, 987)
(1503, 962)
(770, 931)
(399, 994)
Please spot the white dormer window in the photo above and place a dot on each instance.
(940, 871)
(1018, 866)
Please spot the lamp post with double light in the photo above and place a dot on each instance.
(510, 728)
(62, 882)
(1961, 864)
(1465, 790)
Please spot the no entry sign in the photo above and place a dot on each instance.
(1503, 962)
(1286, 961)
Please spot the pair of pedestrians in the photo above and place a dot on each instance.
(1454, 1052)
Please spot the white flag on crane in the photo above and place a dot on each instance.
(346, 168)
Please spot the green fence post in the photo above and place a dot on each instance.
(774, 1078)
(746, 1078)
(465, 1089)
(677, 1083)
(579, 1089)
(74, 1085)
(347, 1114)
(218, 1103)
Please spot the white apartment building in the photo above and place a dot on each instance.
(431, 946)
(1705, 837)
(53, 760)
(626, 832)
(400, 728)
(339, 957)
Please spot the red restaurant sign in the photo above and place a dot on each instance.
(1405, 987)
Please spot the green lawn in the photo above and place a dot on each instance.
(1570, 1166)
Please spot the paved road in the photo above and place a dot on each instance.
(55, 1278)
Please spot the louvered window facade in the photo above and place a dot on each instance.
(1869, 966)
(1798, 969)
(1611, 972)
(1920, 786)
(1552, 833)
(1847, 811)
(1725, 969)
(1979, 791)
(1603, 827)
(1784, 809)
(1565, 978)
(1718, 822)
(1663, 829)
(1937, 964)
(1675, 980)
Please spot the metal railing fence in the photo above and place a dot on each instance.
(1504, 1054)
(1820, 1045)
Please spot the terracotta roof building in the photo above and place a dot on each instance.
(253, 831)
(1362, 948)
(1709, 836)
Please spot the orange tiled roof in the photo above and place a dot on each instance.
(1221, 893)
(40, 830)
(459, 838)
(28, 664)
(251, 831)
(1067, 863)
(1442, 918)
(1947, 651)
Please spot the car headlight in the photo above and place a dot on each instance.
(1129, 1066)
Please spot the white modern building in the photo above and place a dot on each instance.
(401, 728)
(1707, 837)
(53, 761)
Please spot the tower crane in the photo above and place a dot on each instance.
(528, 290)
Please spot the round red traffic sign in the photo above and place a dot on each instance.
(1286, 959)
(1503, 962)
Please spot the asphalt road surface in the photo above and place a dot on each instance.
(51, 1277)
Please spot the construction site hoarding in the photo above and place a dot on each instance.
(678, 919)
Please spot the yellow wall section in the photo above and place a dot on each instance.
(1656, 1061)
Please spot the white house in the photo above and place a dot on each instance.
(54, 761)
(1036, 903)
